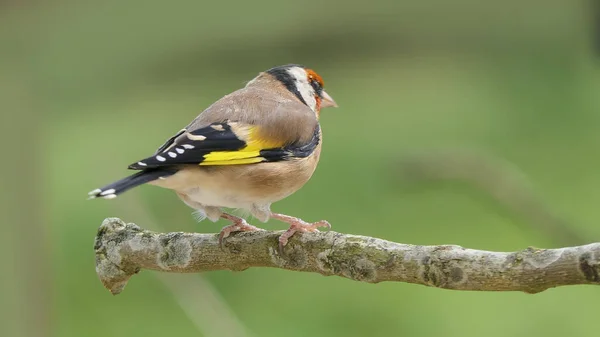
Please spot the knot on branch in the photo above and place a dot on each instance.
(589, 263)
(109, 239)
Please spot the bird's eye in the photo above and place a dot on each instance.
(317, 86)
(315, 81)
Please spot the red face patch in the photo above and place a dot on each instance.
(314, 76)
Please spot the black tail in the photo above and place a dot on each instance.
(111, 191)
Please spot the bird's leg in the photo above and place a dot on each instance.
(237, 225)
(296, 225)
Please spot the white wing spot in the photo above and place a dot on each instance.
(111, 191)
(141, 163)
(160, 158)
(110, 196)
(188, 146)
(172, 154)
(180, 151)
(195, 137)
(218, 127)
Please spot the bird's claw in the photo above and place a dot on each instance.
(300, 226)
(237, 226)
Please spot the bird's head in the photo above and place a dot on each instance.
(305, 84)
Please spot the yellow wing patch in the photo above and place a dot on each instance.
(250, 154)
(239, 161)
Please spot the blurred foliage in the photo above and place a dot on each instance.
(90, 86)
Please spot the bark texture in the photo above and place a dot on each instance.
(122, 250)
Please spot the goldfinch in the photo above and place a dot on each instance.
(253, 147)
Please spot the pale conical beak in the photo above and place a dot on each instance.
(327, 101)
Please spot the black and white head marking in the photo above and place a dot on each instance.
(295, 79)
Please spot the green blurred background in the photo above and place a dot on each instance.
(88, 87)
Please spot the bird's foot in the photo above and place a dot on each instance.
(296, 225)
(238, 225)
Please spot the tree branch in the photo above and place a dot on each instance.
(122, 250)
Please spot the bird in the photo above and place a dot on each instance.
(249, 149)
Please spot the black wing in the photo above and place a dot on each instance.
(228, 143)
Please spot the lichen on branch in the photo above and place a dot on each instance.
(122, 250)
